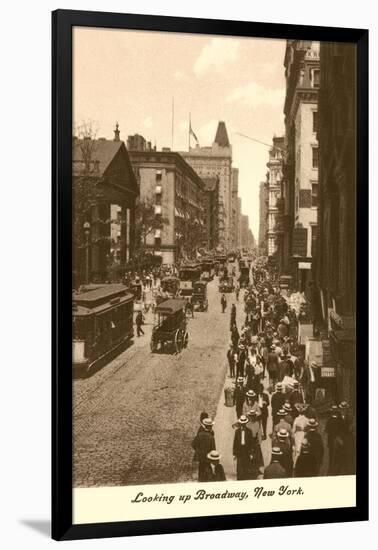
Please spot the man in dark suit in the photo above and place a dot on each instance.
(305, 465)
(310, 380)
(275, 469)
(214, 470)
(203, 443)
(243, 449)
(273, 366)
(239, 396)
(277, 402)
(315, 442)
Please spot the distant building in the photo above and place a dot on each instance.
(246, 234)
(216, 161)
(177, 194)
(138, 143)
(238, 228)
(263, 213)
(211, 212)
(233, 242)
(302, 158)
(274, 177)
(103, 183)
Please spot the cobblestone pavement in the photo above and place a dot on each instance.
(134, 420)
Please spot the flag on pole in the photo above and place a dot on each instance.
(191, 132)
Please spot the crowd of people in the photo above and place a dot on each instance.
(274, 386)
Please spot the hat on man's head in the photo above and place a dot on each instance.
(243, 419)
(344, 405)
(213, 455)
(287, 407)
(279, 386)
(208, 422)
(276, 451)
(282, 412)
(250, 393)
(240, 379)
(312, 424)
(283, 434)
(203, 415)
(252, 412)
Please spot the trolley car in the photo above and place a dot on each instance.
(170, 285)
(169, 329)
(102, 323)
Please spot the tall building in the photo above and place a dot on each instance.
(247, 239)
(216, 161)
(263, 213)
(211, 211)
(335, 265)
(239, 213)
(233, 243)
(302, 73)
(274, 177)
(176, 195)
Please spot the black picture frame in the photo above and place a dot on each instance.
(62, 23)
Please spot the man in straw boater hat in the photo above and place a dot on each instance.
(243, 449)
(214, 470)
(284, 442)
(305, 465)
(203, 443)
(296, 397)
(315, 442)
(281, 424)
(275, 469)
(277, 402)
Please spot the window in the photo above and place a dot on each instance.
(314, 194)
(314, 234)
(315, 78)
(158, 200)
(315, 157)
(314, 121)
(158, 175)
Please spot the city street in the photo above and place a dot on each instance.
(134, 420)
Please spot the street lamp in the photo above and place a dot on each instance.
(87, 231)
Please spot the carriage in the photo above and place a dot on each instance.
(227, 285)
(170, 285)
(199, 298)
(169, 329)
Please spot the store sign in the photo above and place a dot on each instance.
(328, 372)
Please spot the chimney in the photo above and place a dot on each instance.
(116, 132)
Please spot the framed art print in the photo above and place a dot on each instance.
(210, 274)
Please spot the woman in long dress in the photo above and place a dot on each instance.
(299, 427)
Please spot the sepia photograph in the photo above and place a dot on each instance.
(213, 258)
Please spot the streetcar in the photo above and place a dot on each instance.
(227, 285)
(244, 276)
(169, 330)
(199, 298)
(102, 324)
(188, 274)
(208, 269)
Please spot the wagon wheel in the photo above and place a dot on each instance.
(178, 340)
(185, 340)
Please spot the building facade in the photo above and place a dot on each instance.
(302, 71)
(263, 213)
(175, 194)
(104, 185)
(335, 265)
(216, 161)
(211, 212)
(273, 184)
(234, 209)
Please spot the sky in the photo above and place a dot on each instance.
(134, 77)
